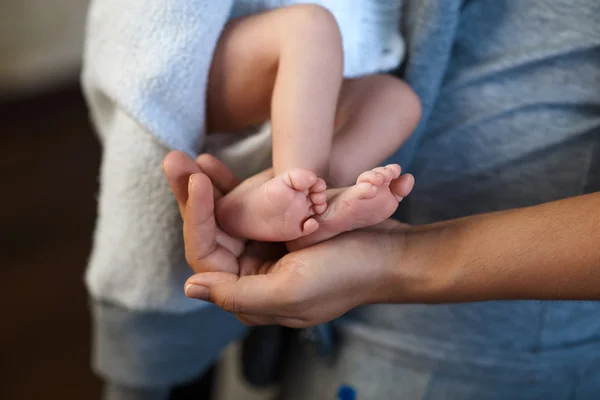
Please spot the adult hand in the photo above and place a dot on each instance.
(196, 186)
(262, 285)
(515, 254)
(215, 250)
(310, 286)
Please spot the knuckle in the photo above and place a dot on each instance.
(197, 258)
(230, 303)
(193, 258)
(295, 264)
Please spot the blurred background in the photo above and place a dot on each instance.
(48, 187)
(48, 182)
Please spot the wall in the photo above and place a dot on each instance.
(40, 43)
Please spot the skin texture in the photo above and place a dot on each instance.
(544, 252)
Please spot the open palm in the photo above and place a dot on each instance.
(258, 281)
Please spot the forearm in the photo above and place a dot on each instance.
(548, 251)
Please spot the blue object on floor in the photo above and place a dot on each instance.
(346, 393)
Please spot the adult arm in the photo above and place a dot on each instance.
(544, 252)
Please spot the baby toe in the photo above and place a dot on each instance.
(394, 169)
(310, 226)
(388, 173)
(372, 177)
(319, 208)
(300, 179)
(319, 186)
(364, 190)
(318, 198)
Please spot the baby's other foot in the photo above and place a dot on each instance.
(373, 199)
(274, 209)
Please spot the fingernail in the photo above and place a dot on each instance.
(190, 181)
(197, 292)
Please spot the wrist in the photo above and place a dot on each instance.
(425, 261)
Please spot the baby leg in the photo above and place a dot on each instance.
(376, 115)
(286, 65)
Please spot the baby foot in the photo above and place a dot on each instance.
(273, 209)
(373, 199)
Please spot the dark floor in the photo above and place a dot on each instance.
(48, 182)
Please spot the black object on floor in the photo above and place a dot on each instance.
(199, 389)
(264, 353)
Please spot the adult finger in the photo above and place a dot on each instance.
(251, 307)
(198, 286)
(202, 250)
(254, 320)
(235, 245)
(223, 182)
(245, 320)
(257, 320)
(178, 168)
(219, 173)
(251, 294)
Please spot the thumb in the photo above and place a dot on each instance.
(251, 294)
(203, 251)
